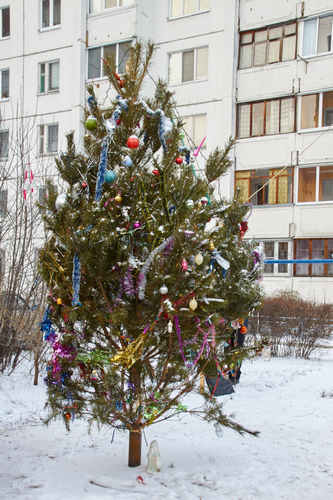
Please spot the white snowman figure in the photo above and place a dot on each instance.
(154, 458)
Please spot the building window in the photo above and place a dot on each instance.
(186, 7)
(4, 82)
(120, 51)
(315, 184)
(48, 77)
(4, 144)
(50, 13)
(276, 116)
(267, 46)
(195, 129)
(316, 110)
(314, 249)
(5, 22)
(250, 185)
(188, 66)
(3, 203)
(276, 250)
(48, 139)
(317, 37)
(100, 5)
(42, 195)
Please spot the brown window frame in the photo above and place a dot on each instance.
(326, 256)
(265, 178)
(253, 43)
(264, 116)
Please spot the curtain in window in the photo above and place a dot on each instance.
(309, 37)
(5, 84)
(302, 252)
(289, 48)
(202, 63)
(272, 117)
(94, 63)
(190, 6)
(243, 184)
(199, 126)
(54, 76)
(109, 4)
(123, 57)
(269, 254)
(244, 113)
(5, 22)
(188, 66)
(174, 68)
(283, 190)
(56, 12)
(257, 118)
(95, 6)
(52, 139)
(309, 111)
(318, 252)
(287, 115)
(176, 8)
(271, 187)
(45, 13)
(330, 256)
(203, 4)
(324, 34)
(282, 255)
(4, 144)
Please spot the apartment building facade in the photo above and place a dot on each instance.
(256, 69)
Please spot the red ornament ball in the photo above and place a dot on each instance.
(243, 329)
(156, 172)
(84, 185)
(118, 122)
(133, 142)
(179, 160)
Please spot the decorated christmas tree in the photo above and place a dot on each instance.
(146, 266)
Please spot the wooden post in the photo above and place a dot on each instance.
(202, 383)
(134, 451)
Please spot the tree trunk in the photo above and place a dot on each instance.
(134, 452)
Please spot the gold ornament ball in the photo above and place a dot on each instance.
(118, 199)
(193, 304)
(211, 245)
(59, 302)
(198, 259)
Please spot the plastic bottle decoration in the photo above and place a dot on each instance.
(243, 227)
(110, 176)
(193, 304)
(136, 225)
(118, 198)
(164, 290)
(156, 172)
(133, 142)
(184, 265)
(127, 161)
(218, 429)
(154, 458)
(266, 353)
(191, 260)
(60, 201)
(91, 123)
(198, 259)
(170, 326)
(211, 245)
(179, 160)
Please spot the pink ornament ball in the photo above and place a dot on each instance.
(137, 225)
(184, 265)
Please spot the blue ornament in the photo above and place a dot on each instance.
(110, 176)
(127, 162)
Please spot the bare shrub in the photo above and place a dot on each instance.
(293, 326)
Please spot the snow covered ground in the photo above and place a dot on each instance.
(290, 401)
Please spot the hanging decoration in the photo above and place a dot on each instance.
(181, 344)
(76, 277)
